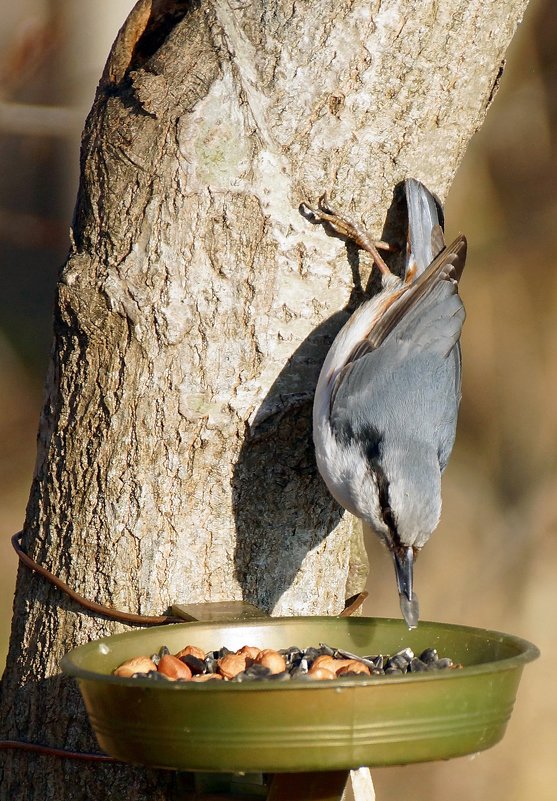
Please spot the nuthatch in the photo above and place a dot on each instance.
(386, 403)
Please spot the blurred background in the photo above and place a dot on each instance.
(493, 559)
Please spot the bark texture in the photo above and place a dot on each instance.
(195, 308)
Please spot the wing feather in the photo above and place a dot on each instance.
(447, 266)
(427, 316)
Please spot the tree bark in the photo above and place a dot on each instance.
(195, 308)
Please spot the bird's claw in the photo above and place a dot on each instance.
(347, 228)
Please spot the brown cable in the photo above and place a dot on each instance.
(92, 606)
(352, 604)
(125, 617)
(48, 750)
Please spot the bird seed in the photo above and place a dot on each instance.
(250, 663)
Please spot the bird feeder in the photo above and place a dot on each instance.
(307, 727)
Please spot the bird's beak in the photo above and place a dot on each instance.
(404, 570)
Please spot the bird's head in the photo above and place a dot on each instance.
(403, 506)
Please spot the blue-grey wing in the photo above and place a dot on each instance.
(445, 269)
(446, 444)
(410, 383)
(382, 404)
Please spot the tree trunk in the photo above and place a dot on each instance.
(175, 460)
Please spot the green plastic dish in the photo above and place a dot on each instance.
(289, 727)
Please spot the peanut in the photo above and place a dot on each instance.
(321, 673)
(232, 664)
(353, 667)
(173, 668)
(251, 651)
(271, 659)
(138, 664)
(192, 650)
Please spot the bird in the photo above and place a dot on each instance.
(386, 403)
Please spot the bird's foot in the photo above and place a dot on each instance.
(348, 228)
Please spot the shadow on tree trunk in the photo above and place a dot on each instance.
(278, 493)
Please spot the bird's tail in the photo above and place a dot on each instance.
(425, 226)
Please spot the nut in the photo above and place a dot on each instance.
(319, 673)
(249, 663)
(339, 665)
(251, 651)
(138, 664)
(192, 650)
(173, 668)
(231, 664)
(271, 659)
(327, 662)
(353, 667)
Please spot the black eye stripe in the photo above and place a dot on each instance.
(387, 513)
(384, 504)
